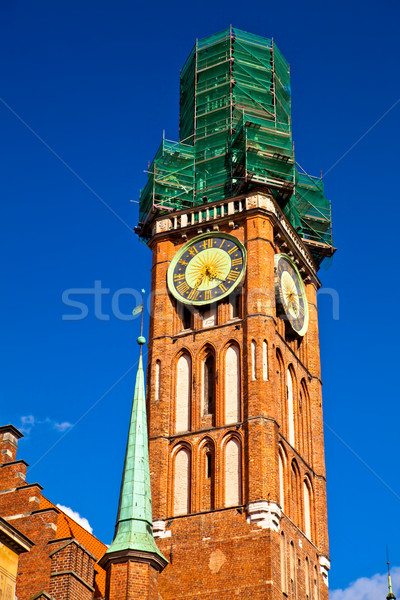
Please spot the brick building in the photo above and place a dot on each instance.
(223, 493)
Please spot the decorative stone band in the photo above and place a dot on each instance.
(265, 514)
(159, 530)
(325, 565)
(157, 561)
(204, 216)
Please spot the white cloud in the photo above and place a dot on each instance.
(368, 588)
(30, 421)
(27, 422)
(62, 426)
(76, 516)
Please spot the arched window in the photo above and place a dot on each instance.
(157, 380)
(233, 473)
(280, 371)
(253, 360)
(208, 380)
(182, 482)
(307, 577)
(294, 493)
(305, 416)
(290, 408)
(281, 481)
(207, 476)
(283, 564)
(265, 360)
(292, 561)
(232, 385)
(307, 507)
(183, 393)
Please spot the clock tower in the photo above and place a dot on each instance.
(234, 399)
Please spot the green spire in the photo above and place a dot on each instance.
(134, 528)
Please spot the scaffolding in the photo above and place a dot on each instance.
(235, 134)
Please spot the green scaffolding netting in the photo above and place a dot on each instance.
(235, 134)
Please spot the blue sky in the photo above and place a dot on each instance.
(98, 82)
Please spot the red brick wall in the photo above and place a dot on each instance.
(249, 555)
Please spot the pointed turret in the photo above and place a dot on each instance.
(133, 539)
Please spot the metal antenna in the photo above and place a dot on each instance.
(390, 595)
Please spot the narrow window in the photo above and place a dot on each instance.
(157, 380)
(316, 589)
(233, 473)
(283, 564)
(235, 306)
(232, 385)
(307, 510)
(209, 464)
(292, 570)
(265, 361)
(186, 317)
(207, 484)
(183, 394)
(253, 360)
(307, 576)
(182, 483)
(294, 480)
(290, 407)
(209, 386)
(281, 483)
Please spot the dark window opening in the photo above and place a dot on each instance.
(209, 464)
(209, 385)
(186, 318)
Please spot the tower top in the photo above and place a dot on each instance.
(235, 135)
(134, 529)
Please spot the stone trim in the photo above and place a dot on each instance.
(13, 538)
(122, 556)
(266, 515)
(159, 529)
(324, 565)
(67, 542)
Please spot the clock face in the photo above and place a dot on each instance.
(291, 293)
(207, 268)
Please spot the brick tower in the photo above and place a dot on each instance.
(234, 385)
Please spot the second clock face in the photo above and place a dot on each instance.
(291, 294)
(207, 268)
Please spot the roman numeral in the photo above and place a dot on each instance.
(193, 295)
(207, 244)
(222, 287)
(183, 287)
(207, 295)
(182, 262)
(178, 277)
(233, 275)
(232, 250)
(237, 261)
(193, 251)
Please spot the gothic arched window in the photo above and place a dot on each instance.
(182, 482)
(232, 385)
(183, 393)
(233, 473)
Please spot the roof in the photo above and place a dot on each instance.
(68, 527)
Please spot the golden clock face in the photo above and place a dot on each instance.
(291, 294)
(207, 268)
